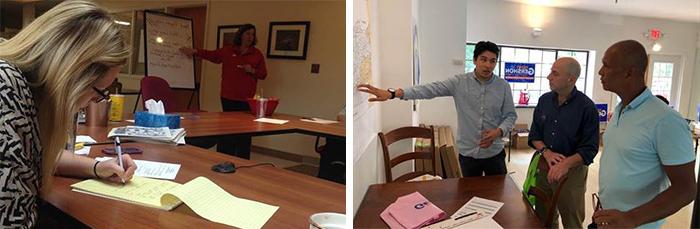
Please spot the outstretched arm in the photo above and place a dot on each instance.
(213, 56)
(380, 94)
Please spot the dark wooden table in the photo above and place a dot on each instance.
(210, 124)
(449, 195)
(227, 123)
(297, 195)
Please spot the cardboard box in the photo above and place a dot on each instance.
(520, 141)
(520, 126)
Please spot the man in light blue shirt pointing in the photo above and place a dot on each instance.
(647, 163)
(485, 110)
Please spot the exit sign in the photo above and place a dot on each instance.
(655, 34)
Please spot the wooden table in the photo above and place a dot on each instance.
(297, 195)
(449, 195)
(210, 124)
(241, 123)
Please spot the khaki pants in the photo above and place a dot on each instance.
(571, 204)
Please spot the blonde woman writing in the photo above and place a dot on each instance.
(48, 71)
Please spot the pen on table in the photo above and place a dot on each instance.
(102, 143)
(118, 148)
(465, 215)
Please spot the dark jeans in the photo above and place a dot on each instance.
(238, 146)
(472, 167)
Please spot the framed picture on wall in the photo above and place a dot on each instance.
(225, 35)
(288, 40)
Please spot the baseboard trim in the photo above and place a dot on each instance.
(286, 155)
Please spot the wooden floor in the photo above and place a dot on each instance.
(518, 166)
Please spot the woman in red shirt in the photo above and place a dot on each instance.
(242, 65)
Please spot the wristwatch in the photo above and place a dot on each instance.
(393, 93)
(541, 151)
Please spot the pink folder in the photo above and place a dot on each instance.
(389, 220)
(412, 211)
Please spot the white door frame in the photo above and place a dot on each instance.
(676, 79)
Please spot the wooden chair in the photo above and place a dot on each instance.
(405, 133)
(539, 193)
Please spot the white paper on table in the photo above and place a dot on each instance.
(523, 134)
(84, 139)
(181, 140)
(84, 151)
(473, 221)
(271, 120)
(486, 222)
(153, 169)
(319, 121)
(478, 204)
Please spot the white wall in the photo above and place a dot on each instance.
(391, 29)
(693, 103)
(582, 30)
(442, 35)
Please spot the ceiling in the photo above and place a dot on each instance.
(681, 10)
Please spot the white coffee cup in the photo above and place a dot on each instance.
(327, 220)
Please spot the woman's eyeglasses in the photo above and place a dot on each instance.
(104, 94)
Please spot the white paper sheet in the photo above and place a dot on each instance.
(480, 205)
(271, 120)
(84, 139)
(473, 221)
(153, 169)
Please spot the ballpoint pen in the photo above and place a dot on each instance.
(118, 148)
(462, 216)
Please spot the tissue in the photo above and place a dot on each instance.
(156, 117)
(154, 107)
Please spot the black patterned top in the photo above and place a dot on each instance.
(20, 150)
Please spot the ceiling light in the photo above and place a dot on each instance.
(656, 47)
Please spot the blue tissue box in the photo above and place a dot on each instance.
(143, 118)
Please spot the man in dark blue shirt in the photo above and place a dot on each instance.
(565, 130)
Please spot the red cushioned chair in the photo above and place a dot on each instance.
(156, 88)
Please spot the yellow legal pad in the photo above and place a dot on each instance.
(201, 194)
(140, 190)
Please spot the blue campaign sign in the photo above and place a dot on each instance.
(519, 72)
(602, 112)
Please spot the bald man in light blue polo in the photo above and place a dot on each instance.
(647, 163)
